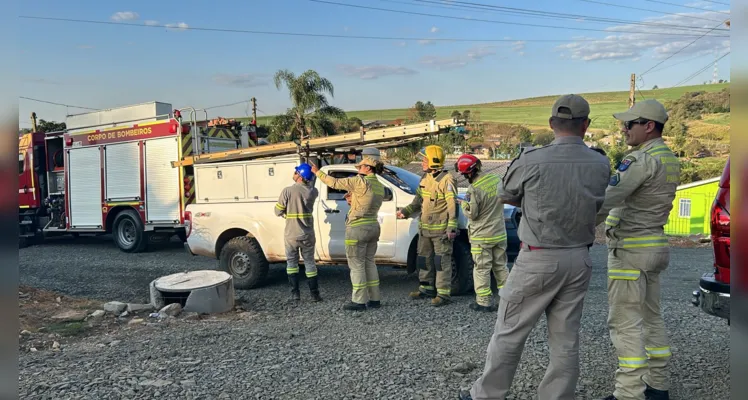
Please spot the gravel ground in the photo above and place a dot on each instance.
(405, 350)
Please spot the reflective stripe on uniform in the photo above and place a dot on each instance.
(657, 150)
(475, 250)
(311, 274)
(279, 206)
(489, 240)
(350, 242)
(298, 216)
(444, 291)
(632, 362)
(658, 352)
(452, 223)
(372, 283)
(434, 227)
(612, 220)
(645, 241)
(484, 292)
(426, 287)
(358, 286)
(363, 221)
(292, 270)
(624, 274)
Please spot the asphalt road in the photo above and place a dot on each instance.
(405, 350)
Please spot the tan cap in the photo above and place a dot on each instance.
(649, 109)
(367, 160)
(579, 107)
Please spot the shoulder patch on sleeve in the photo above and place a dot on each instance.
(626, 162)
(614, 179)
(467, 196)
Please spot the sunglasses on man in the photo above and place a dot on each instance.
(629, 124)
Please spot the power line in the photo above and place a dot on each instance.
(548, 14)
(57, 104)
(227, 105)
(685, 6)
(497, 22)
(649, 10)
(193, 28)
(678, 63)
(701, 70)
(715, 2)
(683, 48)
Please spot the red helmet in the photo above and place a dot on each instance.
(467, 164)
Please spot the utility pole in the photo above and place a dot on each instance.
(632, 91)
(254, 110)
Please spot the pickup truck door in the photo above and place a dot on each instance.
(330, 214)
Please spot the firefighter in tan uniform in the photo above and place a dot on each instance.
(560, 188)
(362, 229)
(637, 205)
(486, 229)
(296, 205)
(435, 199)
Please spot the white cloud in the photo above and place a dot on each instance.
(369, 72)
(434, 29)
(150, 22)
(458, 60)
(426, 42)
(177, 27)
(248, 80)
(125, 16)
(519, 46)
(651, 41)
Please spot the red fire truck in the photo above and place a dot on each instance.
(110, 172)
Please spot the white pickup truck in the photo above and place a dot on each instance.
(233, 220)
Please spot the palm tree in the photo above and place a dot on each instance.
(310, 114)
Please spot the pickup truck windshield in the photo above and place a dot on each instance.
(405, 180)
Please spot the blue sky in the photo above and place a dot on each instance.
(109, 65)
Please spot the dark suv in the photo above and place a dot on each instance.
(714, 289)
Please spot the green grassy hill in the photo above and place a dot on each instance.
(534, 112)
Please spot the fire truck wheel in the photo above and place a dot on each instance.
(242, 257)
(128, 233)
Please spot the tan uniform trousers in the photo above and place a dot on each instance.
(435, 265)
(487, 260)
(637, 329)
(550, 281)
(360, 249)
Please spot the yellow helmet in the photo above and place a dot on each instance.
(435, 156)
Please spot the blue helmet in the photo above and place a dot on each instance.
(305, 171)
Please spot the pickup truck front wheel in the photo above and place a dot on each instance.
(462, 268)
(243, 258)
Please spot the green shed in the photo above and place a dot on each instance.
(691, 208)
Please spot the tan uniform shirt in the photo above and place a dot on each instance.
(640, 196)
(367, 194)
(560, 188)
(485, 211)
(435, 199)
(296, 202)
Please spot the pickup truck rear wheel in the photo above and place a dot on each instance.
(462, 268)
(243, 258)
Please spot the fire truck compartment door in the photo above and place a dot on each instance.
(161, 181)
(84, 177)
(122, 171)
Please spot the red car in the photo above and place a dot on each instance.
(714, 289)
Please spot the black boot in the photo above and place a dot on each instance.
(314, 288)
(374, 304)
(478, 307)
(651, 393)
(354, 307)
(293, 279)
